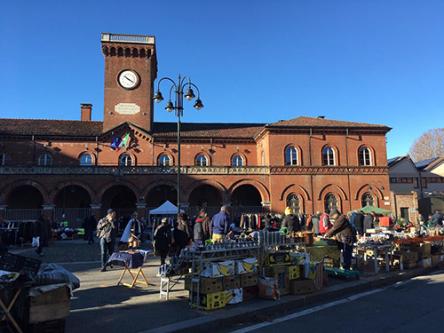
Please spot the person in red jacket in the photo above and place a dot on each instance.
(324, 223)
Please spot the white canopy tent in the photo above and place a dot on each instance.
(167, 208)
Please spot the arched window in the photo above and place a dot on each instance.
(164, 160)
(293, 202)
(367, 200)
(86, 159)
(125, 160)
(331, 203)
(2, 159)
(291, 156)
(365, 156)
(45, 159)
(328, 156)
(201, 160)
(237, 161)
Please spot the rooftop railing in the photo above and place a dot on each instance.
(122, 38)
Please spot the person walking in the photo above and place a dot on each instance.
(201, 228)
(290, 223)
(324, 223)
(106, 232)
(220, 224)
(37, 235)
(345, 235)
(162, 240)
(315, 222)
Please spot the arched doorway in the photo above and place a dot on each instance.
(205, 196)
(159, 194)
(245, 199)
(367, 199)
(24, 203)
(24, 197)
(246, 195)
(74, 202)
(330, 203)
(123, 200)
(293, 202)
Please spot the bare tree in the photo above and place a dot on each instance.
(430, 144)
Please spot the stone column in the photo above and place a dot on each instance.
(2, 212)
(48, 212)
(267, 206)
(96, 210)
(141, 209)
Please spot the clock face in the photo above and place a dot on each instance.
(128, 79)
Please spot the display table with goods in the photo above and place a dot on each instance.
(219, 272)
(34, 297)
(373, 252)
(132, 262)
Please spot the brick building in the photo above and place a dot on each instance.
(416, 188)
(71, 167)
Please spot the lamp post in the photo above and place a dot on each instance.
(179, 87)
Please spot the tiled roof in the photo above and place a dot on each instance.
(50, 127)
(425, 163)
(75, 128)
(392, 161)
(224, 130)
(323, 122)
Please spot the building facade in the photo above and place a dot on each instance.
(417, 188)
(128, 161)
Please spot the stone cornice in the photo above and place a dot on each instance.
(191, 170)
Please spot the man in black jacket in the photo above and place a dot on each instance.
(345, 235)
(106, 232)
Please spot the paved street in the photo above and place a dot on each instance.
(414, 306)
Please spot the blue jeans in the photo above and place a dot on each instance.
(106, 249)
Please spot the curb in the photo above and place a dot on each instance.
(262, 311)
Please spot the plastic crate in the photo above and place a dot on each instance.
(294, 272)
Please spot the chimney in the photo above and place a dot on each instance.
(85, 112)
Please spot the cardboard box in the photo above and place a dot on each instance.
(298, 287)
(212, 301)
(294, 272)
(425, 263)
(250, 292)
(277, 258)
(48, 302)
(248, 279)
(218, 268)
(207, 285)
(247, 265)
(234, 296)
(410, 256)
(231, 282)
(424, 250)
(281, 276)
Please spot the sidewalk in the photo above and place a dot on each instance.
(100, 305)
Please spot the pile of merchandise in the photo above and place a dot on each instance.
(219, 283)
(34, 296)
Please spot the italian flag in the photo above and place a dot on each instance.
(125, 141)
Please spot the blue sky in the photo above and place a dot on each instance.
(254, 61)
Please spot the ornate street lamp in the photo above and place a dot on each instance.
(183, 87)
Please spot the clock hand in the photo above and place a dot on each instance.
(126, 77)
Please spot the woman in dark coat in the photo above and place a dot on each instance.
(162, 240)
(39, 232)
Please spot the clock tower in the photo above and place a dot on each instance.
(130, 71)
